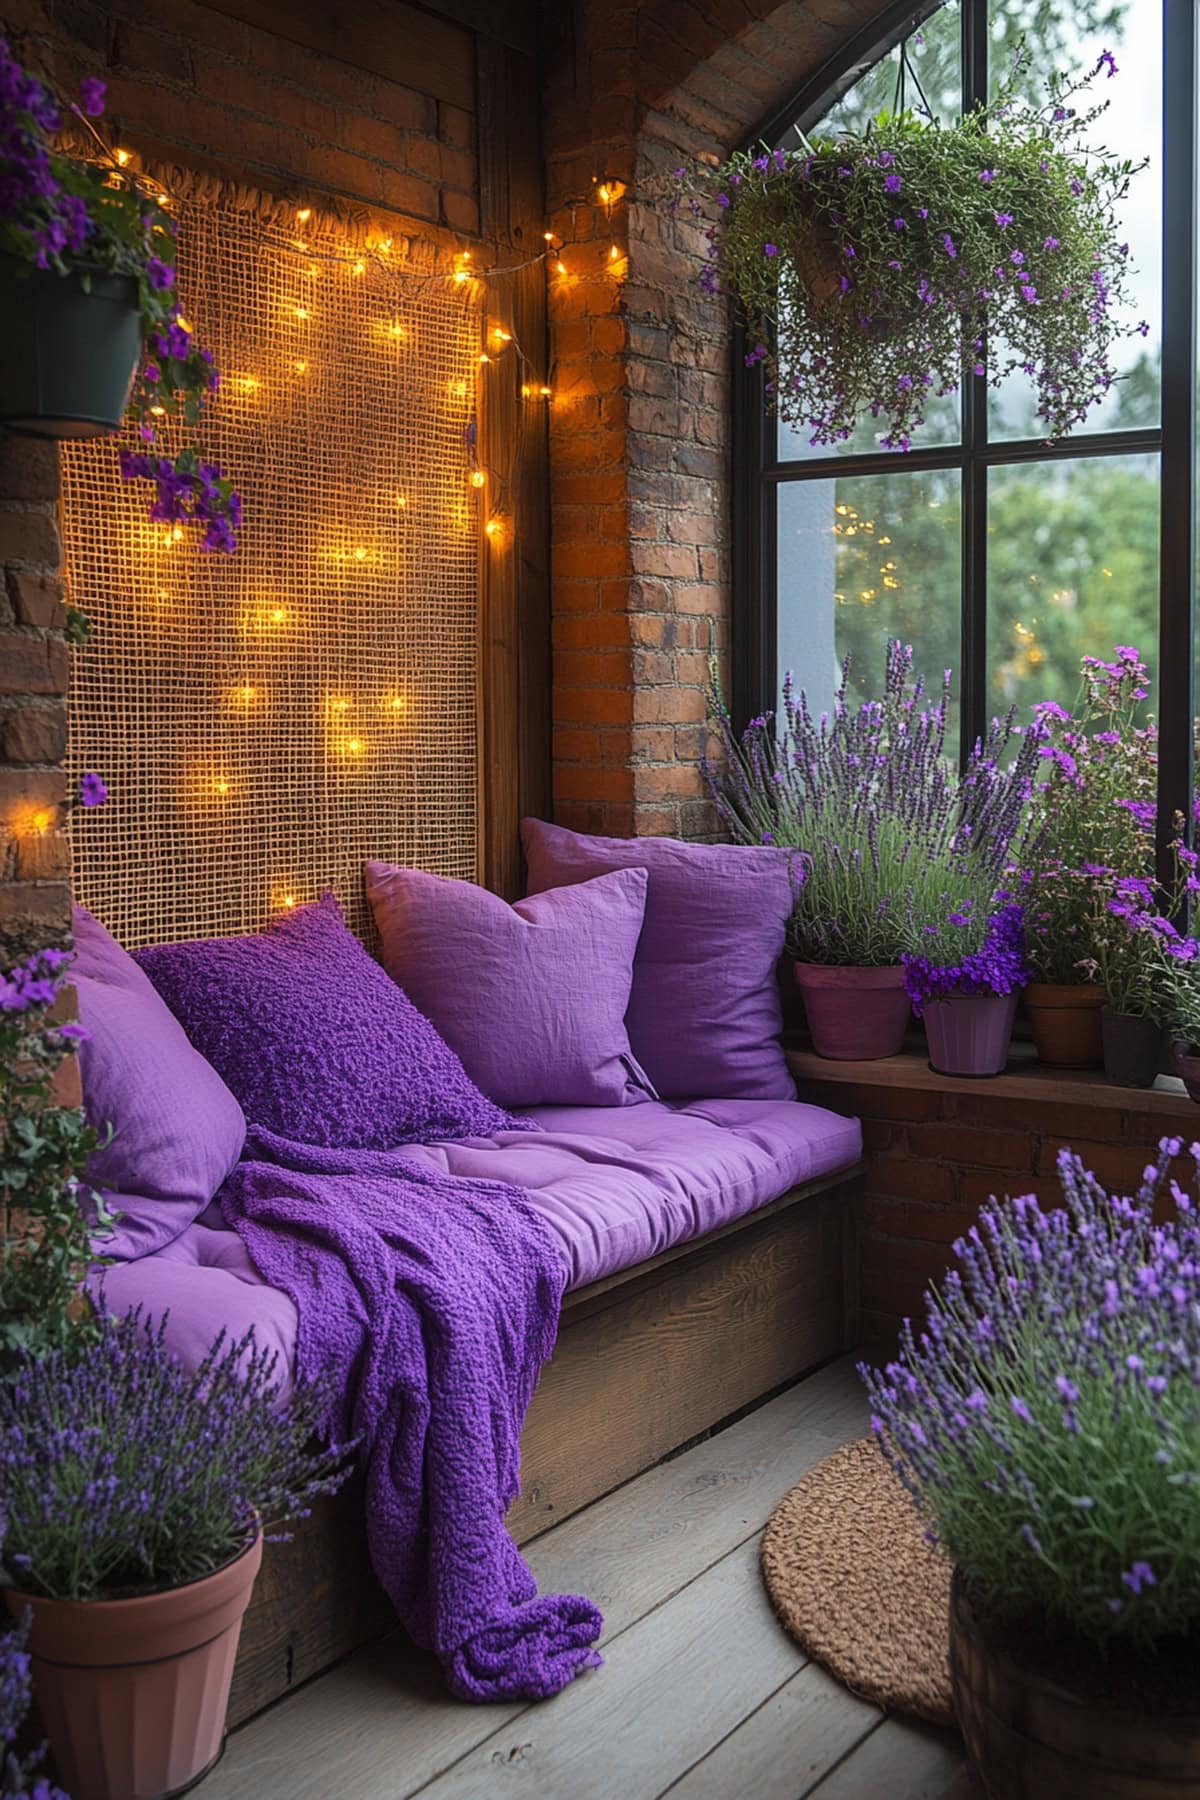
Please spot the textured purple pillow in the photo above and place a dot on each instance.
(316, 1041)
(177, 1129)
(704, 1015)
(532, 996)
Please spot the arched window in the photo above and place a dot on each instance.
(992, 552)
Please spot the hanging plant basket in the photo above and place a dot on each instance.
(71, 346)
(876, 270)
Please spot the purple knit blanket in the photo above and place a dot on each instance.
(435, 1302)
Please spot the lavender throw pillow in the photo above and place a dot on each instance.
(531, 996)
(704, 1015)
(177, 1129)
(316, 1041)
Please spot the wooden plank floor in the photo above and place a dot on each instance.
(702, 1696)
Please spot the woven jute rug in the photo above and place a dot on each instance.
(855, 1583)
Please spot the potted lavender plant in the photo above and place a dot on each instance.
(966, 982)
(1044, 1423)
(872, 801)
(1098, 807)
(1136, 949)
(136, 1497)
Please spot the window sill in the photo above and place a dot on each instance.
(1025, 1079)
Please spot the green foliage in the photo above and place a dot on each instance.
(872, 265)
(44, 1147)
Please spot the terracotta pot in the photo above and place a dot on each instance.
(133, 1693)
(1065, 1020)
(1187, 1067)
(1134, 1049)
(854, 1015)
(968, 1034)
(1029, 1737)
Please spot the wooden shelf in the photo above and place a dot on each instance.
(1026, 1079)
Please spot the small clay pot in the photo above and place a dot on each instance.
(1134, 1049)
(1065, 1020)
(968, 1034)
(1187, 1067)
(133, 1693)
(854, 1014)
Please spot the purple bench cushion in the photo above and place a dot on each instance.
(616, 1185)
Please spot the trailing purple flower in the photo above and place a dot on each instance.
(999, 965)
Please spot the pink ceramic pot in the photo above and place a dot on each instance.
(968, 1034)
(133, 1693)
(854, 1015)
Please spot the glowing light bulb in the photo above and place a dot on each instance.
(301, 368)
(301, 312)
(162, 595)
(561, 266)
(398, 703)
(492, 528)
(278, 615)
(501, 336)
(250, 383)
(356, 746)
(484, 357)
(304, 215)
(123, 157)
(478, 478)
(247, 693)
(549, 236)
(40, 822)
(545, 391)
(385, 245)
(177, 532)
(614, 253)
(220, 786)
(401, 500)
(360, 267)
(158, 411)
(338, 703)
(461, 275)
(289, 900)
(360, 553)
(396, 329)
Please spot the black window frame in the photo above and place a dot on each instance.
(760, 471)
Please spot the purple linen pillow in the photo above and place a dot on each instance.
(704, 1015)
(177, 1129)
(531, 996)
(317, 1041)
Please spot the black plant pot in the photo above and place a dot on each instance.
(69, 352)
(1134, 1049)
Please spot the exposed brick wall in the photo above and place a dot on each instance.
(640, 422)
(34, 855)
(937, 1154)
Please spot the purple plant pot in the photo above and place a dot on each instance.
(854, 1015)
(968, 1034)
(1187, 1067)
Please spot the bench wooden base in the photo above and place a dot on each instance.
(646, 1361)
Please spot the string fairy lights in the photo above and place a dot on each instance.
(279, 371)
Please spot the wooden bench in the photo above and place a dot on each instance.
(646, 1361)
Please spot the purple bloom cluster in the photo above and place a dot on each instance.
(999, 966)
(48, 220)
(123, 1472)
(33, 985)
(1044, 1418)
(188, 491)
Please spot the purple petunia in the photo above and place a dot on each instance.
(92, 790)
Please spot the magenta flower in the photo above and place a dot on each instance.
(1108, 62)
(160, 274)
(1003, 219)
(770, 249)
(948, 243)
(892, 183)
(987, 176)
(92, 790)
